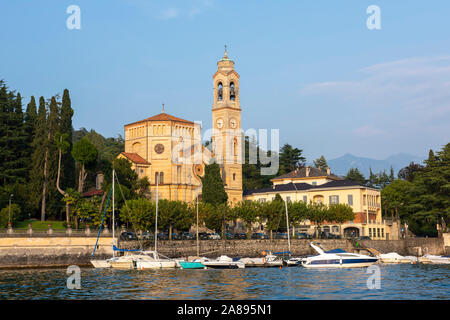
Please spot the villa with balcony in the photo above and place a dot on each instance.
(313, 185)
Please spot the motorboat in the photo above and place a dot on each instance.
(153, 260)
(433, 259)
(101, 263)
(395, 258)
(336, 258)
(267, 260)
(224, 262)
(196, 263)
(292, 262)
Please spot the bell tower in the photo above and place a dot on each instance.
(226, 123)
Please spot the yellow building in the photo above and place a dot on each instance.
(169, 148)
(313, 185)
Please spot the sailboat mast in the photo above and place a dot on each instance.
(287, 225)
(113, 175)
(156, 219)
(198, 252)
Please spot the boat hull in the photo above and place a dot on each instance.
(143, 265)
(101, 263)
(122, 264)
(219, 265)
(362, 263)
(191, 265)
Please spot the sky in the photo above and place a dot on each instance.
(311, 69)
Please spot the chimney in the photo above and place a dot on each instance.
(307, 171)
(328, 171)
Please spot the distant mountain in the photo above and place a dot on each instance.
(341, 165)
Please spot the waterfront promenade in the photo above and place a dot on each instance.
(57, 250)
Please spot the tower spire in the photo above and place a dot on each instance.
(225, 54)
(163, 111)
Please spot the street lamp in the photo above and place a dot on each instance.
(9, 211)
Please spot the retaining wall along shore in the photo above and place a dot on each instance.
(33, 252)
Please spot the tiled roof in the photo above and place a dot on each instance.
(304, 186)
(301, 173)
(134, 157)
(163, 117)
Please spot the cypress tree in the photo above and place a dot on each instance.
(68, 162)
(38, 173)
(30, 128)
(213, 191)
(53, 124)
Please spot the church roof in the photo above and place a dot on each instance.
(163, 117)
(134, 157)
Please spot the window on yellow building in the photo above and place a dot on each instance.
(334, 199)
(305, 199)
(350, 200)
(370, 232)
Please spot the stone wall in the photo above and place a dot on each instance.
(30, 252)
(253, 248)
(410, 246)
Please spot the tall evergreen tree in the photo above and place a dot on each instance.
(321, 163)
(213, 191)
(67, 162)
(53, 121)
(290, 159)
(30, 128)
(38, 170)
(355, 175)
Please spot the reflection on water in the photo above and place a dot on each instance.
(397, 282)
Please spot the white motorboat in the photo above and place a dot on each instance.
(337, 258)
(269, 260)
(101, 263)
(224, 262)
(153, 260)
(395, 258)
(432, 259)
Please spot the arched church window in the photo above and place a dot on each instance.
(161, 177)
(220, 92)
(232, 92)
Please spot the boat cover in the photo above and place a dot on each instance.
(125, 250)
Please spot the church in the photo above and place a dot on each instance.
(168, 150)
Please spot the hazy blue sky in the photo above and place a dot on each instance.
(310, 68)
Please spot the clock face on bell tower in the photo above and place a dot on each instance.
(227, 135)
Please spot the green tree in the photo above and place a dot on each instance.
(213, 191)
(247, 212)
(8, 212)
(355, 175)
(68, 163)
(85, 153)
(38, 159)
(321, 163)
(318, 213)
(63, 145)
(290, 159)
(140, 213)
(340, 213)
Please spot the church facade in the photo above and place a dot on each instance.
(168, 150)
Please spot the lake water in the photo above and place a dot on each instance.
(396, 282)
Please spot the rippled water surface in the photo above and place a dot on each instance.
(397, 282)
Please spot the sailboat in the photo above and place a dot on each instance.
(124, 262)
(197, 262)
(152, 259)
